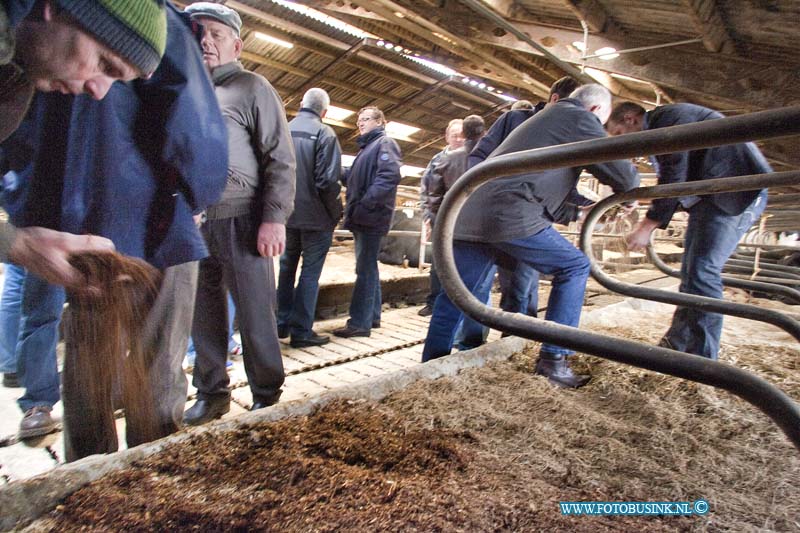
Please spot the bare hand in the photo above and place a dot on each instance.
(639, 238)
(271, 239)
(46, 253)
(627, 209)
(427, 226)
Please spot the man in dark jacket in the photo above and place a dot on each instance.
(513, 216)
(519, 284)
(454, 137)
(508, 121)
(716, 221)
(132, 167)
(371, 191)
(317, 210)
(245, 229)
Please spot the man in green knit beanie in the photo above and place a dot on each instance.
(74, 47)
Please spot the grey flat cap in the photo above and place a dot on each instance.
(218, 12)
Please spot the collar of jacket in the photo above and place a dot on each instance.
(309, 111)
(367, 138)
(223, 72)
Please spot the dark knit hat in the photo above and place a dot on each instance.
(134, 29)
(218, 12)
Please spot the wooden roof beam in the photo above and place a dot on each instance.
(711, 26)
(390, 69)
(733, 82)
(595, 16)
(421, 26)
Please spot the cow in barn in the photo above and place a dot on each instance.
(404, 249)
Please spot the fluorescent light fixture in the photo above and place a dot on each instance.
(506, 97)
(273, 40)
(400, 130)
(323, 18)
(606, 53)
(338, 113)
(628, 78)
(579, 45)
(409, 170)
(436, 67)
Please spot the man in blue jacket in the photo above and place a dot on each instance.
(716, 221)
(133, 167)
(309, 230)
(371, 191)
(513, 217)
(75, 47)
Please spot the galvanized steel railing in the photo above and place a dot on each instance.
(768, 124)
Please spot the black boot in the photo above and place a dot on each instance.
(558, 372)
(206, 410)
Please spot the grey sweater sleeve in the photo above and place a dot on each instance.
(7, 235)
(272, 142)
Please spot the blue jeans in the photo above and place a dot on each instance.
(297, 304)
(711, 238)
(10, 311)
(37, 365)
(520, 289)
(546, 251)
(365, 303)
(471, 333)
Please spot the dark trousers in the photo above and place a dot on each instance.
(296, 304)
(89, 426)
(436, 285)
(365, 303)
(235, 265)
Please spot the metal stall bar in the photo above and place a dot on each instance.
(739, 183)
(770, 288)
(772, 401)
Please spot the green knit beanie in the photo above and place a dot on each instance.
(134, 29)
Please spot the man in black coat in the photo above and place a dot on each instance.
(309, 230)
(371, 191)
(513, 216)
(716, 221)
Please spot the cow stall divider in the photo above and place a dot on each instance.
(781, 408)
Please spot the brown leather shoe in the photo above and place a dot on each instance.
(558, 372)
(36, 422)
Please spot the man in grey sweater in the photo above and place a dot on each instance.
(245, 229)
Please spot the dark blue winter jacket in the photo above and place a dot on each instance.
(372, 184)
(134, 166)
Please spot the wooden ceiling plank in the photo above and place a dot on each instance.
(711, 26)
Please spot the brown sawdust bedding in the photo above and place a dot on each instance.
(494, 449)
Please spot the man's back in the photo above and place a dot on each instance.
(517, 206)
(319, 159)
(723, 161)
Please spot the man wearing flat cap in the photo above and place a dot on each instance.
(245, 229)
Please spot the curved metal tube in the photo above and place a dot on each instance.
(772, 401)
(770, 288)
(713, 305)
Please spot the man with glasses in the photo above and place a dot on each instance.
(371, 190)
